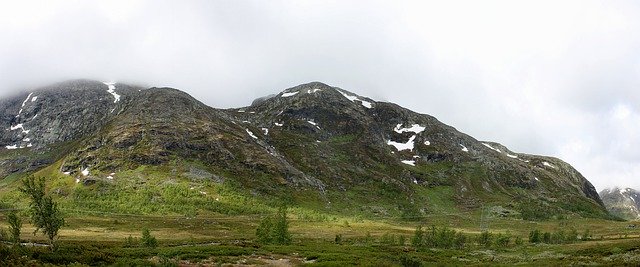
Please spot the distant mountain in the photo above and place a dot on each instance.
(624, 203)
(313, 144)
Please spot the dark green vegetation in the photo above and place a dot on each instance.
(160, 178)
(45, 215)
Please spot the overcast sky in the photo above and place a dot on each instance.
(559, 78)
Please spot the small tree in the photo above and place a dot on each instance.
(534, 236)
(148, 240)
(586, 235)
(416, 241)
(281, 233)
(263, 232)
(45, 214)
(274, 230)
(485, 239)
(15, 226)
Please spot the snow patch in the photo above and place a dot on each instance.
(352, 98)
(548, 164)
(416, 128)
(34, 99)
(366, 104)
(403, 146)
(289, 94)
(536, 179)
(25, 101)
(251, 134)
(77, 180)
(314, 124)
(427, 143)
(110, 177)
(279, 124)
(112, 91)
(19, 126)
(512, 156)
(266, 131)
(492, 148)
(66, 173)
(30, 145)
(85, 172)
(464, 148)
(311, 91)
(409, 162)
(26, 139)
(12, 147)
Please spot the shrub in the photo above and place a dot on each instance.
(401, 240)
(534, 236)
(416, 240)
(130, 242)
(485, 239)
(518, 241)
(502, 240)
(15, 226)
(460, 240)
(388, 239)
(274, 230)
(586, 235)
(148, 240)
(3, 235)
(546, 237)
(338, 239)
(263, 232)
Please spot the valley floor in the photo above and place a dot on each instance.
(215, 240)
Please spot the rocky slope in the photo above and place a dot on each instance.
(624, 203)
(313, 144)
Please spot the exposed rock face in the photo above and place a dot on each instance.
(624, 203)
(309, 137)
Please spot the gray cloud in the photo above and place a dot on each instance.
(545, 77)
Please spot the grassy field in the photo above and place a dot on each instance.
(210, 239)
(204, 223)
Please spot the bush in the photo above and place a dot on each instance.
(438, 238)
(502, 240)
(416, 240)
(338, 239)
(485, 239)
(15, 226)
(586, 235)
(535, 236)
(148, 240)
(401, 240)
(274, 230)
(518, 241)
(388, 239)
(546, 237)
(130, 242)
(4, 236)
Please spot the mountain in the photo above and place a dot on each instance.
(312, 145)
(624, 203)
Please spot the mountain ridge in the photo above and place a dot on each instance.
(311, 138)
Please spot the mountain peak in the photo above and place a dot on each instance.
(624, 203)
